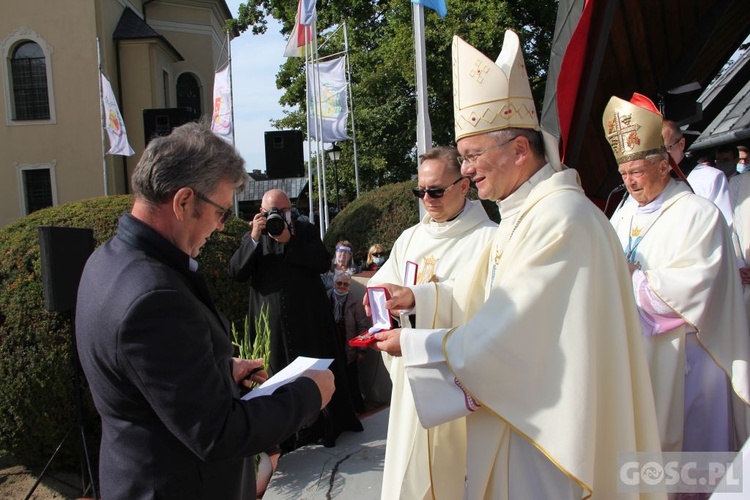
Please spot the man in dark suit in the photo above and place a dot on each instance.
(157, 353)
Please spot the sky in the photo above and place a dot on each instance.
(255, 61)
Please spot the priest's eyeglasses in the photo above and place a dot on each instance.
(226, 213)
(435, 193)
(470, 158)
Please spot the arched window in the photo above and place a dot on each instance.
(189, 94)
(29, 81)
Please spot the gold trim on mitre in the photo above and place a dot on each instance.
(491, 96)
(633, 132)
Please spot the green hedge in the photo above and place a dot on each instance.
(36, 376)
(380, 216)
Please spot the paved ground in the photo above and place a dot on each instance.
(351, 469)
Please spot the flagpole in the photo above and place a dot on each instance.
(351, 107)
(310, 186)
(101, 116)
(320, 151)
(309, 64)
(424, 129)
(231, 114)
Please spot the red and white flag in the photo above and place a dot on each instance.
(302, 33)
(221, 122)
(113, 123)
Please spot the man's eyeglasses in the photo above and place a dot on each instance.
(344, 284)
(470, 158)
(226, 212)
(435, 193)
(673, 144)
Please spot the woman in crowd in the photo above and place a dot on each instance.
(349, 316)
(375, 257)
(343, 260)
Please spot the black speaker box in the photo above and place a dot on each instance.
(284, 156)
(64, 252)
(158, 122)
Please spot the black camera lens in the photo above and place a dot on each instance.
(275, 222)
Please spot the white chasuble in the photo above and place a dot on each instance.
(427, 463)
(553, 357)
(685, 251)
(739, 191)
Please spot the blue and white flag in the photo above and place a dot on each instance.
(331, 97)
(113, 123)
(436, 5)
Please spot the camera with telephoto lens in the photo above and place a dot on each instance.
(275, 222)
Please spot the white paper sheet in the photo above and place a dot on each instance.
(289, 373)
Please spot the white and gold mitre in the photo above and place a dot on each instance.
(491, 96)
(633, 129)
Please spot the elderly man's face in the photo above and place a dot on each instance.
(645, 180)
(434, 174)
(493, 167)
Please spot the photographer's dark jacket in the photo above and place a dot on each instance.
(158, 359)
(286, 276)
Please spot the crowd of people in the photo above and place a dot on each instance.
(525, 356)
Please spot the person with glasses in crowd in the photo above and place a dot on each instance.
(343, 260)
(546, 360)
(157, 353)
(685, 281)
(376, 257)
(351, 320)
(441, 245)
(705, 180)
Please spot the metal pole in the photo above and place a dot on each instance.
(231, 100)
(319, 123)
(424, 129)
(336, 183)
(351, 107)
(102, 118)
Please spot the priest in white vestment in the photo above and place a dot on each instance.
(548, 365)
(686, 285)
(739, 191)
(706, 181)
(421, 463)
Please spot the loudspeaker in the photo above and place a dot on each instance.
(284, 156)
(64, 252)
(158, 122)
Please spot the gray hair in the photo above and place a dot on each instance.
(533, 136)
(191, 156)
(339, 273)
(447, 154)
(656, 158)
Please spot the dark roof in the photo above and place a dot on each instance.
(645, 46)
(732, 123)
(132, 27)
(294, 187)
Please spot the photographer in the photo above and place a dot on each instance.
(283, 259)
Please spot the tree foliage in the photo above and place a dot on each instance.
(381, 49)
